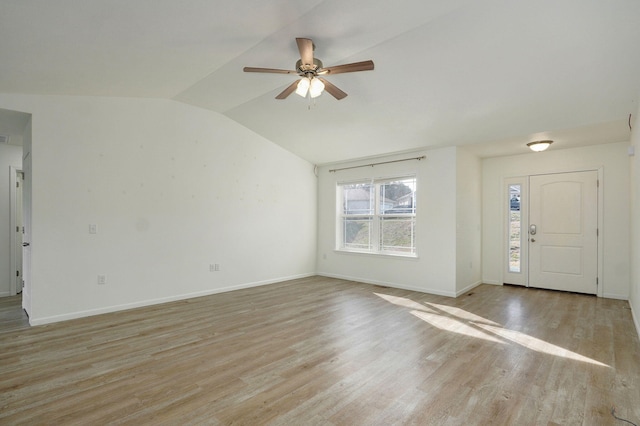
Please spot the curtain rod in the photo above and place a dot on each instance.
(376, 164)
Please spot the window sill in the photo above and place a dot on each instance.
(409, 256)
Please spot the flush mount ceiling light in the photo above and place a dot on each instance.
(539, 146)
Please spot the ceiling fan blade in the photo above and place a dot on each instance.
(333, 89)
(289, 90)
(269, 70)
(356, 66)
(305, 46)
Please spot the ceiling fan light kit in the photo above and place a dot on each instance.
(303, 87)
(539, 146)
(316, 88)
(310, 69)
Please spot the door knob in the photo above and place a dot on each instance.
(25, 244)
(533, 240)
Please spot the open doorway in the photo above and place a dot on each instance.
(15, 140)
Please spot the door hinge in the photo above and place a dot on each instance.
(597, 281)
(17, 229)
(597, 232)
(17, 184)
(17, 273)
(598, 183)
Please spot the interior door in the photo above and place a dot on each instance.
(563, 231)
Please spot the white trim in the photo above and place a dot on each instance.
(395, 255)
(492, 282)
(143, 303)
(601, 232)
(636, 320)
(380, 179)
(6, 293)
(468, 288)
(615, 296)
(388, 284)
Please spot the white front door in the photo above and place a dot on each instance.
(563, 231)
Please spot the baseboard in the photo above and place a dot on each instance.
(5, 294)
(388, 284)
(492, 282)
(636, 320)
(468, 288)
(143, 303)
(615, 296)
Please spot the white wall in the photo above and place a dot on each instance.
(468, 220)
(434, 270)
(172, 189)
(10, 155)
(634, 293)
(613, 160)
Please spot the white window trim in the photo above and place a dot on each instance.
(375, 219)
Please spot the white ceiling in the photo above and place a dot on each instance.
(491, 75)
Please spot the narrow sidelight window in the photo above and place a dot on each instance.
(515, 228)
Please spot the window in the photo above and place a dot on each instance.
(515, 228)
(378, 216)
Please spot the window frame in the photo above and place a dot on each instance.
(376, 217)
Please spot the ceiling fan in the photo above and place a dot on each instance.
(311, 70)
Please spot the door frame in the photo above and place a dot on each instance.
(13, 180)
(506, 180)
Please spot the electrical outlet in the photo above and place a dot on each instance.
(102, 279)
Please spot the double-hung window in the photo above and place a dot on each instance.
(377, 216)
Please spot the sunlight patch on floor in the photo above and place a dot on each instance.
(402, 301)
(461, 313)
(455, 326)
(456, 320)
(538, 345)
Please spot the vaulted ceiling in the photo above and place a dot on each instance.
(490, 75)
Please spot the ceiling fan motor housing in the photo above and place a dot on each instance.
(305, 69)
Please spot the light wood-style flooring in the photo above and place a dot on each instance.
(321, 351)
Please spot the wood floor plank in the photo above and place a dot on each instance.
(322, 351)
